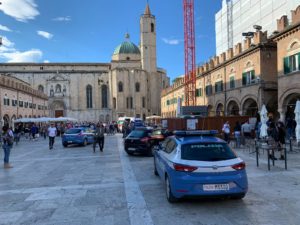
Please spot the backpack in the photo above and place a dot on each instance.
(8, 139)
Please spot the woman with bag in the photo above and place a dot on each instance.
(8, 140)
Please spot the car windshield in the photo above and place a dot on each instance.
(138, 134)
(207, 152)
(73, 131)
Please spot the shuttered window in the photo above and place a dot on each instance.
(291, 63)
(231, 82)
(208, 90)
(248, 78)
(219, 86)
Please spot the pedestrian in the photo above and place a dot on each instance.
(52, 132)
(8, 140)
(281, 138)
(237, 133)
(289, 128)
(226, 131)
(34, 130)
(99, 137)
(246, 130)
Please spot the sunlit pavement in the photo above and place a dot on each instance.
(76, 186)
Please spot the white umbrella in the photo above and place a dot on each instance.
(263, 119)
(297, 118)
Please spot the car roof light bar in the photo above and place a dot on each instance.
(183, 133)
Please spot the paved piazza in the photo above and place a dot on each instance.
(74, 186)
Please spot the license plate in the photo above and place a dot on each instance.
(131, 149)
(69, 141)
(216, 187)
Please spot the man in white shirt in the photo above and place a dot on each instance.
(52, 132)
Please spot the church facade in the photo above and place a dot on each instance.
(130, 85)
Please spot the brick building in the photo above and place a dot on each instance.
(262, 70)
(20, 100)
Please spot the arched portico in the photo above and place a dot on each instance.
(233, 108)
(220, 109)
(250, 107)
(57, 108)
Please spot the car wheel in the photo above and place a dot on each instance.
(85, 142)
(238, 197)
(65, 145)
(128, 152)
(171, 198)
(155, 169)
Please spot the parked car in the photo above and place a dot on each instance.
(158, 135)
(78, 135)
(195, 163)
(138, 141)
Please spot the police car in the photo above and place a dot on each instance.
(196, 163)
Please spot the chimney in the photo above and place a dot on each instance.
(229, 53)
(206, 67)
(238, 49)
(247, 43)
(222, 57)
(296, 15)
(282, 23)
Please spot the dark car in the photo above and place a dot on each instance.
(138, 141)
(158, 135)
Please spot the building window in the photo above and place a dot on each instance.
(129, 103)
(152, 27)
(89, 97)
(114, 103)
(137, 87)
(26, 104)
(6, 101)
(143, 102)
(219, 86)
(58, 88)
(21, 103)
(208, 90)
(291, 63)
(231, 82)
(248, 78)
(198, 92)
(30, 105)
(120, 87)
(104, 96)
(41, 88)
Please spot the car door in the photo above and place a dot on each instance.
(165, 155)
(158, 156)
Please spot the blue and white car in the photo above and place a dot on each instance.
(195, 163)
(78, 135)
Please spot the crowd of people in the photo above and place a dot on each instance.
(277, 131)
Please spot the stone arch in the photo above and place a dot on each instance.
(41, 88)
(57, 108)
(120, 86)
(58, 88)
(210, 110)
(219, 109)
(288, 103)
(233, 108)
(250, 107)
(6, 120)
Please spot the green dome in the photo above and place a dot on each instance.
(127, 47)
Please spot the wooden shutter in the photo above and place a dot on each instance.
(286, 65)
(244, 78)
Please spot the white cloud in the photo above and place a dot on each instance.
(45, 34)
(62, 19)
(171, 41)
(21, 10)
(4, 28)
(33, 55)
(46, 61)
(10, 54)
(7, 43)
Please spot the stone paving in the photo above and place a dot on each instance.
(76, 186)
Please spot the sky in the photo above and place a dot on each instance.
(72, 31)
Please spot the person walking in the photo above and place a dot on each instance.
(226, 131)
(237, 133)
(8, 140)
(52, 132)
(99, 137)
(34, 131)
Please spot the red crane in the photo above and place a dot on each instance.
(189, 53)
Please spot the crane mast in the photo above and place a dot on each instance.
(189, 53)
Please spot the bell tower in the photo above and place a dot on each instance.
(148, 41)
